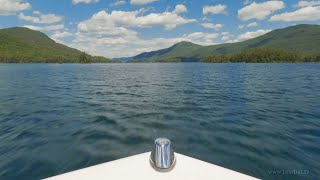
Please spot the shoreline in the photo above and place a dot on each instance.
(168, 63)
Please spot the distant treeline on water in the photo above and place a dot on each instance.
(40, 58)
(261, 55)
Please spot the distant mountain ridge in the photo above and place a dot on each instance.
(304, 39)
(122, 59)
(21, 44)
(180, 49)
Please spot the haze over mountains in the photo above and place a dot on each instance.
(304, 39)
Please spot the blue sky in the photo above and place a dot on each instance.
(120, 28)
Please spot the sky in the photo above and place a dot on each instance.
(122, 28)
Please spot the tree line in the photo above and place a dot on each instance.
(261, 55)
(33, 57)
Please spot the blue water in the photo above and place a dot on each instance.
(259, 119)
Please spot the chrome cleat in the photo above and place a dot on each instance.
(162, 156)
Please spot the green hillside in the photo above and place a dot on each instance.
(301, 39)
(182, 49)
(24, 45)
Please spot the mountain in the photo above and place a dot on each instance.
(20, 44)
(303, 39)
(122, 59)
(182, 49)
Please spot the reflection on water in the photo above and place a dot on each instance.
(252, 118)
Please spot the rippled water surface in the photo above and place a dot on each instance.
(258, 119)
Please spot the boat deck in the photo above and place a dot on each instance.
(138, 167)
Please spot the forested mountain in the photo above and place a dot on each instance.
(304, 40)
(20, 44)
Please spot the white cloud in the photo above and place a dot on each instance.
(225, 33)
(226, 36)
(212, 26)
(36, 12)
(200, 37)
(118, 3)
(113, 46)
(218, 9)
(169, 20)
(253, 24)
(58, 36)
(259, 10)
(84, 1)
(252, 34)
(308, 3)
(110, 41)
(180, 8)
(231, 41)
(11, 7)
(95, 27)
(46, 28)
(308, 13)
(141, 2)
(110, 33)
(61, 34)
(41, 18)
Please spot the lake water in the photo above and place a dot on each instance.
(259, 119)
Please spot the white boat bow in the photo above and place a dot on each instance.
(139, 167)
